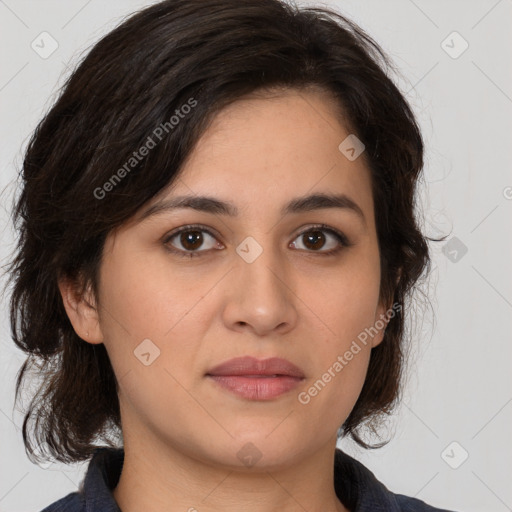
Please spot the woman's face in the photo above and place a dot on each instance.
(262, 280)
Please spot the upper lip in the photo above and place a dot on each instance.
(251, 366)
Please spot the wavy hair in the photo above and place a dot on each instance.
(135, 79)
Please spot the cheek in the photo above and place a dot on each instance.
(153, 322)
(150, 328)
(334, 387)
(346, 306)
(144, 298)
(347, 302)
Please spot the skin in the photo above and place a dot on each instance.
(181, 431)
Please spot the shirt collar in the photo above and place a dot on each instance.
(358, 488)
(101, 479)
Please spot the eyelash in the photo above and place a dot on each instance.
(340, 237)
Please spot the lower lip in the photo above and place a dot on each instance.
(257, 388)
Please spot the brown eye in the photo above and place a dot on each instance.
(191, 241)
(314, 239)
(322, 240)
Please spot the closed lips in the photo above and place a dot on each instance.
(249, 366)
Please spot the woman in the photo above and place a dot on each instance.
(217, 244)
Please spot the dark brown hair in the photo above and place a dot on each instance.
(135, 79)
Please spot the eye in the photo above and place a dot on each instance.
(187, 240)
(321, 239)
(190, 241)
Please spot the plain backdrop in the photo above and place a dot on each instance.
(451, 442)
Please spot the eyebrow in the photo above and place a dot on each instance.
(215, 206)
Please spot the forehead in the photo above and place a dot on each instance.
(269, 156)
(271, 147)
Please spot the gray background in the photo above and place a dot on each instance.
(458, 383)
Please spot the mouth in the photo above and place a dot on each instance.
(253, 379)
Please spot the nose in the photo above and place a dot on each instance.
(262, 299)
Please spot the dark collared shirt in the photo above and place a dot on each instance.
(355, 485)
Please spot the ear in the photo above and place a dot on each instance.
(379, 324)
(82, 310)
(384, 313)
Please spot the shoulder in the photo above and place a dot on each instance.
(407, 504)
(358, 488)
(73, 502)
(95, 492)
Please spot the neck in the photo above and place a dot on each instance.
(164, 479)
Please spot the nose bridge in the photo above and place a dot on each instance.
(258, 268)
(263, 296)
